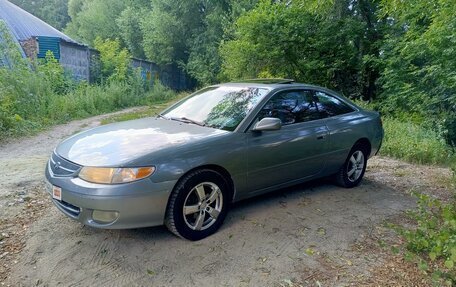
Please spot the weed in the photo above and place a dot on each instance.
(38, 94)
(150, 111)
(414, 143)
(432, 243)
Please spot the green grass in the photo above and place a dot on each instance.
(414, 143)
(34, 99)
(432, 242)
(407, 140)
(151, 110)
(29, 106)
(148, 112)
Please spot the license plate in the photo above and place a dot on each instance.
(56, 193)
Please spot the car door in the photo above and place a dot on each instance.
(294, 152)
(340, 121)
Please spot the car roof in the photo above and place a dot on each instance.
(270, 84)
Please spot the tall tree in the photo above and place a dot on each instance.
(188, 33)
(332, 43)
(129, 23)
(53, 12)
(94, 18)
(283, 39)
(419, 73)
(168, 28)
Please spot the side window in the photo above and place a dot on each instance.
(291, 107)
(330, 106)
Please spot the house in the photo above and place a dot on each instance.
(36, 38)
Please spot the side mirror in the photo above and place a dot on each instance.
(268, 124)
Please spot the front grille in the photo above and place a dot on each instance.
(69, 208)
(62, 167)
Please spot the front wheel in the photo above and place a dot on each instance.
(352, 172)
(198, 205)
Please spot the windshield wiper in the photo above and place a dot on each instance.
(162, 116)
(188, 121)
(193, 121)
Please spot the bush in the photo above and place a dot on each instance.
(433, 242)
(408, 138)
(23, 111)
(415, 143)
(34, 95)
(160, 93)
(115, 61)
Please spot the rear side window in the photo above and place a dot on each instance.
(330, 106)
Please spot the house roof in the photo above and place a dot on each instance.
(24, 25)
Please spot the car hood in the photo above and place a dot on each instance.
(120, 143)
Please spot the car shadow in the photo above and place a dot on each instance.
(300, 194)
(242, 206)
(270, 233)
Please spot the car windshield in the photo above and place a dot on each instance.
(222, 107)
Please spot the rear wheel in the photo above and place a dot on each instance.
(198, 205)
(352, 171)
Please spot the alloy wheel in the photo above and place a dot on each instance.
(202, 206)
(355, 166)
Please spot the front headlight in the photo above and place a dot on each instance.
(108, 175)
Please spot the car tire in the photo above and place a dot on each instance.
(352, 171)
(198, 205)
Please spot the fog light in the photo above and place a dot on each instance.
(104, 217)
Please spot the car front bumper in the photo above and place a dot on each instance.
(120, 206)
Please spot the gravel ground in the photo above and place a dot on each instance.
(309, 235)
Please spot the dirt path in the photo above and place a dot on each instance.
(307, 235)
(22, 161)
(22, 196)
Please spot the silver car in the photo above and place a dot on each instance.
(228, 142)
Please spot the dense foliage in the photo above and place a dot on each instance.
(185, 33)
(281, 40)
(419, 70)
(94, 18)
(36, 94)
(54, 12)
(414, 143)
(399, 55)
(433, 242)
